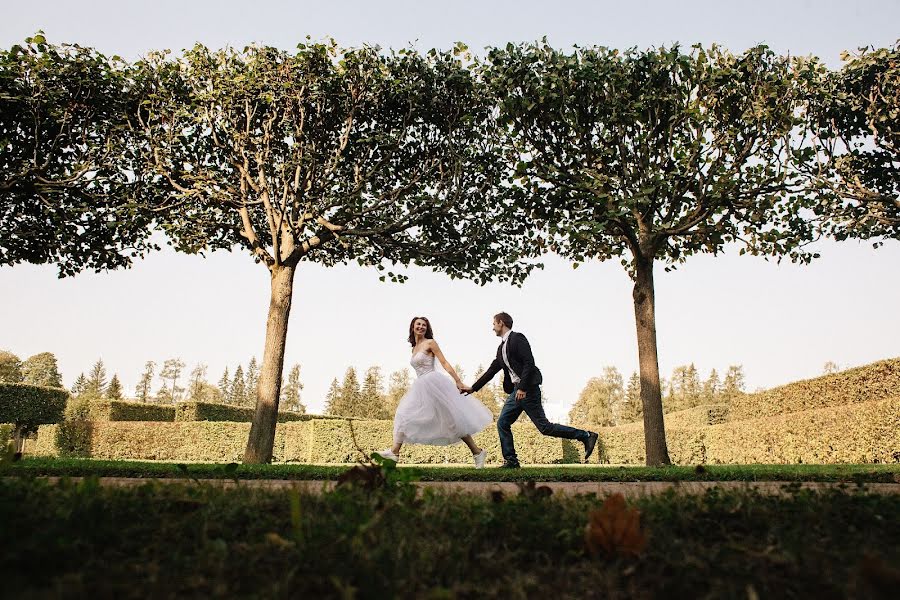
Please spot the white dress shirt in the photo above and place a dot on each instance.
(512, 374)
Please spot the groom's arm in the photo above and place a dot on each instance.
(495, 368)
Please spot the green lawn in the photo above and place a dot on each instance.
(103, 468)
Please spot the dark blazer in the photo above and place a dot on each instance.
(521, 360)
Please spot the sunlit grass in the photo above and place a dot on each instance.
(145, 469)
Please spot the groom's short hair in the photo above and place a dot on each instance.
(504, 318)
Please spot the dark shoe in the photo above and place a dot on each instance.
(509, 465)
(589, 445)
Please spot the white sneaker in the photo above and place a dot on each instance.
(479, 458)
(388, 454)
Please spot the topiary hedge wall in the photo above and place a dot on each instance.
(28, 406)
(207, 411)
(123, 410)
(310, 441)
(31, 405)
(867, 432)
(331, 441)
(876, 381)
(699, 416)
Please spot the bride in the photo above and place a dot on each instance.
(433, 411)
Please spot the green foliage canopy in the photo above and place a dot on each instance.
(328, 155)
(67, 160)
(855, 115)
(659, 153)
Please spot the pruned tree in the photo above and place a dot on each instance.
(654, 156)
(329, 156)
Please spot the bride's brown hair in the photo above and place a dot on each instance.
(429, 335)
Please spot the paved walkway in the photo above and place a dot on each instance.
(602, 488)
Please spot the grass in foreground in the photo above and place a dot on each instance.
(889, 473)
(189, 540)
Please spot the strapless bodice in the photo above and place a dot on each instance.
(422, 362)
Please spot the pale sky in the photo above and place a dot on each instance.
(781, 322)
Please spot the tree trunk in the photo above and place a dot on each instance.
(262, 431)
(651, 396)
(18, 438)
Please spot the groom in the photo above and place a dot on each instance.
(521, 380)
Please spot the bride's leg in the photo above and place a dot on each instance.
(471, 444)
(396, 448)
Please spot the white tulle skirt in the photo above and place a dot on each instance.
(434, 412)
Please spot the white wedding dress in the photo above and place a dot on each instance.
(433, 411)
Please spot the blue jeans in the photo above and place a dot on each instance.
(531, 404)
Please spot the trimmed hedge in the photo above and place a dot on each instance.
(857, 433)
(699, 416)
(123, 410)
(198, 441)
(624, 445)
(876, 381)
(208, 411)
(867, 432)
(28, 406)
(310, 441)
(330, 441)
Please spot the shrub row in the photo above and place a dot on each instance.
(699, 416)
(867, 432)
(624, 445)
(310, 441)
(859, 433)
(201, 441)
(321, 441)
(876, 381)
(123, 410)
(27, 406)
(208, 411)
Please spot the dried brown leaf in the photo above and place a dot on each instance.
(614, 529)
